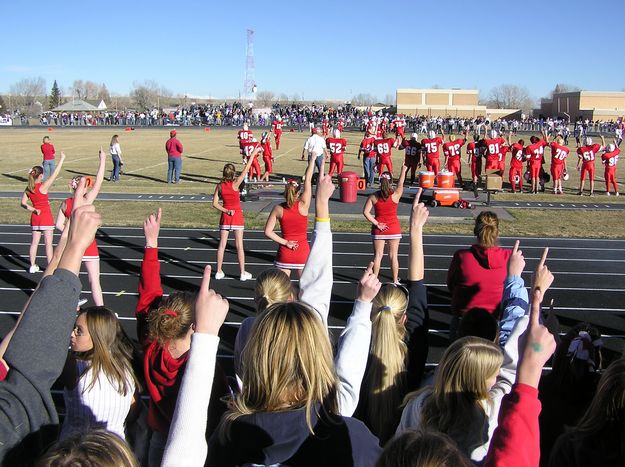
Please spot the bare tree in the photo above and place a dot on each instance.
(78, 89)
(510, 96)
(145, 95)
(389, 99)
(364, 99)
(103, 94)
(265, 98)
(26, 92)
(283, 97)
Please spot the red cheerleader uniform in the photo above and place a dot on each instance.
(39, 200)
(91, 253)
(294, 228)
(232, 202)
(386, 213)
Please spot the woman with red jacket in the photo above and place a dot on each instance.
(476, 275)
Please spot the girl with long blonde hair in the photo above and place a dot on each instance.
(292, 215)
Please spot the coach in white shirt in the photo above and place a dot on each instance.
(316, 147)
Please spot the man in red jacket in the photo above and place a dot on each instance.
(173, 146)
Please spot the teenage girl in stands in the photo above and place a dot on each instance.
(98, 376)
(91, 259)
(164, 326)
(227, 191)
(292, 215)
(41, 216)
(385, 224)
(399, 340)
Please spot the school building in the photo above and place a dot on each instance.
(591, 105)
(461, 103)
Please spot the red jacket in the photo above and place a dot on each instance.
(173, 146)
(516, 441)
(163, 373)
(475, 278)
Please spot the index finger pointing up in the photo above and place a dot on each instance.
(206, 279)
(417, 197)
(516, 246)
(544, 257)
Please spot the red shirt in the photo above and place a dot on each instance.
(518, 156)
(336, 146)
(47, 149)
(384, 146)
(173, 147)
(245, 135)
(473, 151)
(452, 149)
(536, 152)
(248, 147)
(341, 124)
(367, 145)
(588, 154)
(267, 151)
(276, 126)
(610, 159)
(494, 149)
(432, 146)
(558, 153)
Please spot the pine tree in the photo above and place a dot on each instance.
(55, 96)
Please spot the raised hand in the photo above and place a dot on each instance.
(543, 278)
(210, 308)
(151, 229)
(516, 262)
(368, 286)
(419, 214)
(325, 187)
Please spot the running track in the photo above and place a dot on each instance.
(589, 276)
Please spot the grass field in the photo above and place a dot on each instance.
(204, 157)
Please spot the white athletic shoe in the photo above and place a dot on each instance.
(616, 194)
(219, 275)
(245, 276)
(607, 193)
(33, 269)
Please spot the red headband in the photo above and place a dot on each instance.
(290, 181)
(170, 312)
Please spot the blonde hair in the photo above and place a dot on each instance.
(287, 364)
(487, 228)
(385, 380)
(172, 319)
(33, 175)
(228, 173)
(290, 193)
(112, 350)
(460, 385)
(114, 139)
(93, 447)
(422, 448)
(272, 286)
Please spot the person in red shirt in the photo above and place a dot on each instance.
(265, 144)
(495, 152)
(383, 148)
(336, 146)
(174, 149)
(432, 145)
(535, 152)
(515, 176)
(559, 152)
(276, 128)
(250, 149)
(453, 151)
(586, 163)
(341, 124)
(48, 152)
(400, 127)
(412, 155)
(244, 135)
(367, 148)
(474, 159)
(325, 125)
(610, 159)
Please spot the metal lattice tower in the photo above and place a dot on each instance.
(249, 85)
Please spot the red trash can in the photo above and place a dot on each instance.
(349, 187)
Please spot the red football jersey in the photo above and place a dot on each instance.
(276, 125)
(611, 158)
(367, 145)
(494, 148)
(336, 146)
(518, 156)
(536, 151)
(384, 146)
(473, 151)
(248, 147)
(558, 153)
(432, 145)
(588, 153)
(452, 149)
(245, 135)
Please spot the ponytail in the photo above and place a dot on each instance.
(272, 286)
(385, 185)
(290, 192)
(173, 319)
(487, 228)
(33, 175)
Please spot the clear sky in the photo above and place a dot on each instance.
(323, 49)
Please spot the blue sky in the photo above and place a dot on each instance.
(328, 50)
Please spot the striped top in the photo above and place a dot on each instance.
(99, 407)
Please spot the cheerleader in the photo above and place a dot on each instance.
(293, 217)
(227, 191)
(385, 224)
(265, 143)
(91, 258)
(41, 218)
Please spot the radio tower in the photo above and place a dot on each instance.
(249, 85)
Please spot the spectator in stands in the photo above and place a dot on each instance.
(476, 275)
(399, 339)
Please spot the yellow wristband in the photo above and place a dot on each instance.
(322, 219)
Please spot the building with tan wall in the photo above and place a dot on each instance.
(591, 105)
(462, 103)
